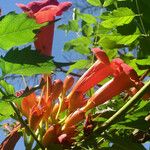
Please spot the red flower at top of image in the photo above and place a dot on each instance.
(45, 11)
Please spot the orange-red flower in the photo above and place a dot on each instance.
(36, 108)
(45, 11)
(54, 100)
(96, 73)
(124, 78)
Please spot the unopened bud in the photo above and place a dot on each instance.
(57, 88)
(68, 82)
(74, 118)
(51, 135)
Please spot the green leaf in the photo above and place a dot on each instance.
(143, 64)
(136, 119)
(71, 26)
(80, 45)
(142, 110)
(17, 29)
(106, 43)
(123, 142)
(88, 18)
(26, 69)
(87, 30)
(140, 65)
(108, 2)
(25, 62)
(94, 2)
(117, 38)
(118, 17)
(63, 64)
(80, 64)
(5, 110)
(7, 88)
(25, 56)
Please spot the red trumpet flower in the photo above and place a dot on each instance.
(96, 73)
(45, 11)
(125, 78)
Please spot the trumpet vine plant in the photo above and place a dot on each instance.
(100, 101)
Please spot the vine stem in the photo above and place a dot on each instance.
(25, 125)
(125, 108)
(138, 9)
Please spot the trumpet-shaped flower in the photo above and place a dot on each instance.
(124, 78)
(96, 73)
(45, 11)
(36, 108)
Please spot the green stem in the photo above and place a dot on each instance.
(60, 106)
(125, 108)
(26, 126)
(138, 10)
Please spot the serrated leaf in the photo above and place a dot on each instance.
(71, 26)
(17, 29)
(94, 2)
(5, 110)
(118, 17)
(123, 39)
(25, 62)
(80, 64)
(136, 119)
(80, 45)
(26, 69)
(120, 39)
(63, 64)
(88, 18)
(25, 56)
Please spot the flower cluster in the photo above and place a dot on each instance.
(45, 111)
(59, 108)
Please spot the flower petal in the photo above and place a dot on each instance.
(27, 104)
(109, 90)
(35, 117)
(44, 40)
(37, 5)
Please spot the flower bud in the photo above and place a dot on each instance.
(50, 136)
(57, 88)
(73, 119)
(68, 82)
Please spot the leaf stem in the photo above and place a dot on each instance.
(124, 109)
(25, 125)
